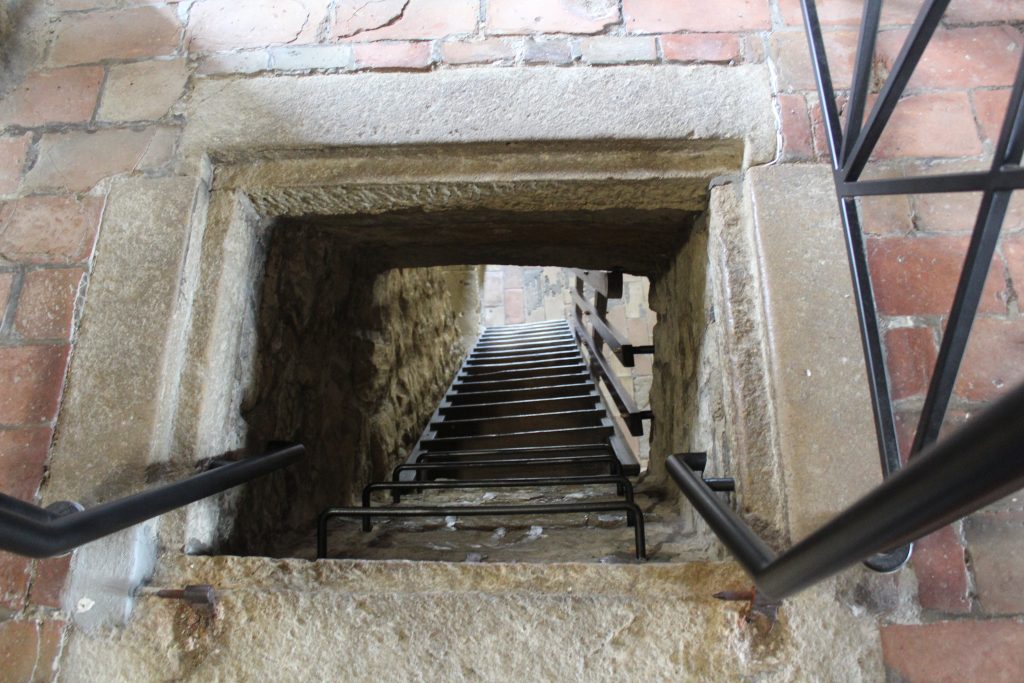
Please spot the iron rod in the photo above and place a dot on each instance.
(36, 538)
(976, 465)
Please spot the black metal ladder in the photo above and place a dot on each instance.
(522, 412)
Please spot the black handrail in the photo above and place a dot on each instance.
(850, 150)
(32, 531)
(976, 465)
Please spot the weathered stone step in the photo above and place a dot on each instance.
(465, 621)
(546, 353)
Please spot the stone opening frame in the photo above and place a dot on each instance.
(158, 369)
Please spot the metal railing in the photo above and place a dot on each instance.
(944, 481)
(607, 284)
(33, 531)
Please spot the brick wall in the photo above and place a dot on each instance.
(106, 99)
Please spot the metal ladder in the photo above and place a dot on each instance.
(523, 411)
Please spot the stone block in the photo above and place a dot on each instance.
(997, 555)
(114, 397)
(251, 61)
(822, 406)
(565, 103)
(514, 311)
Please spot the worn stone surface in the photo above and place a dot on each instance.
(440, 621)
(112, 403)
(351, 362)
(819, 385)
(467, 105)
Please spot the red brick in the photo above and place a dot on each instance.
(142, 91)
(911, 353)
(53, 96)
(668, 16)
(6, 282)
(121, 34)
(818, 127)
(48, 583)
(399, 55)
(31, 378)
(547, 52)
(930, 125)
(77, 160)
(712, 48)
(955, 651)
(14, 575)
(19, 645)
(992, 363)
(941, 570)
(525, 17)
(22, 456)
(618, 49)
(978, 11)
(960, 58)
(46, 305)
(796, 128)
(792, 59)
(225, 24)
(1013, 253)
(990, 106)
(13, 151)
(849, 12)
(918, 276)
(514, 310)
(51, 636)
(60, 229)
(947, 212)
(489, 51)
(997, 556)
(421, 20)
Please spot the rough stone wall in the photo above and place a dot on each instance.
(351, 362)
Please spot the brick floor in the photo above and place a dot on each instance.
(113, 69)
